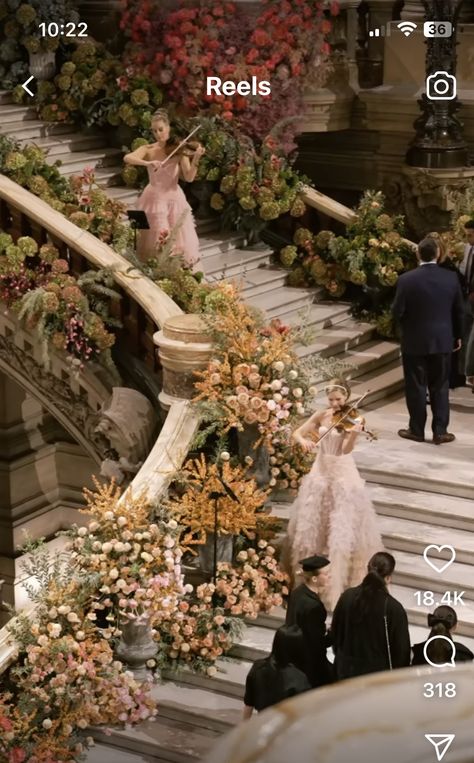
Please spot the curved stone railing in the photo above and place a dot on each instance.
(144, 311)
(332, 208)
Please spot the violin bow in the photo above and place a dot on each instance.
(344, 416)
(180, 145)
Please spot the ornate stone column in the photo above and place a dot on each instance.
(184, 347)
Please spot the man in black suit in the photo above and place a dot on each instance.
(429, 308)
(307, 611)
(466, 270)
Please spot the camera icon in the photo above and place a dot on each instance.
(441, 86)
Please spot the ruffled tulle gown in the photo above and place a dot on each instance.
(333, 515)
(164, 203)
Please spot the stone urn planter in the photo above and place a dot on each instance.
(43, 64)
(225, 547)
(136, 646)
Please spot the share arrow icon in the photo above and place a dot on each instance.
(441, 743)
(25, 85)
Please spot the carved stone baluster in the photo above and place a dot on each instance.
(380, 14)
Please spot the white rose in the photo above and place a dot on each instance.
(225, 456)
(122, 521)
(114, 573)
(53, 613)
(271, 405)
(107, 547)
(211, 671)
(54, 630)
(72, 618)
(276, 385)
(277, 397)
(172, 524)
(298, 392)
(279, 366)
(80, 636)
(82, 531)
(146, 556)
(272, 482)
(293, 374)
(47, 723)
(119, 547)
(64, 609)
(313, 390)
(109, 515)
(93, 527)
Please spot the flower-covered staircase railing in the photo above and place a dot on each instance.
(142, 311)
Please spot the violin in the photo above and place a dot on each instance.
(187, 150)
(347, 418)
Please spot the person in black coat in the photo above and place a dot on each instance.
(443, 622)
(307, 611)
(429, 309)
(369, 627)
(276, 677)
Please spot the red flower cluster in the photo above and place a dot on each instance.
(216, 39)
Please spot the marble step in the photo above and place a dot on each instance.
(185, 703)
(365, 359)
(260, 281)
(11, 113)
(380, 382)
(442, 510)
(215, 244)
(394, 462)
(108, 753)
(33, 129)
(317, 316)
(163, 740)
(75, 161)
(338, 338)
(57, 145)
(412, 571)
(284, 302)
(236, 262)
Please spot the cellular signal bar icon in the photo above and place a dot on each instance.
(379, 32)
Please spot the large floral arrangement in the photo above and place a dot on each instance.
(252, 584)
(366, 262)
(220, 39)
(94, 88)
(196, 636)
(67, 678)
(21, 35)
(79, 198)
(194, 507)
(136, 561)
(255, 378)
(259, 188)
(69, 313)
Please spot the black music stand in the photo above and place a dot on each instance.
(138, 221)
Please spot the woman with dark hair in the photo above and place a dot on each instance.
(443, 622)
(369, 627)
(276, 677)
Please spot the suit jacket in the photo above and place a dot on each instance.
(307, 611)
(429, 309)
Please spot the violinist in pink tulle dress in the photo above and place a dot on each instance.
(163, 200)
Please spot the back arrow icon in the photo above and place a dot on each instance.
(25, 85)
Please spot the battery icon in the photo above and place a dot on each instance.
(437, 29)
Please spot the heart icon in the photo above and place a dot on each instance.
(439, 566)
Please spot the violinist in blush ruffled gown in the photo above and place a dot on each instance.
(163, 200)
(333, 514)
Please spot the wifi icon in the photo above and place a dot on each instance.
(407, 27)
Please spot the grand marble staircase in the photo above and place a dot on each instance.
(423, 494)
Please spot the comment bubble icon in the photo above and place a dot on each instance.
(452, 660)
